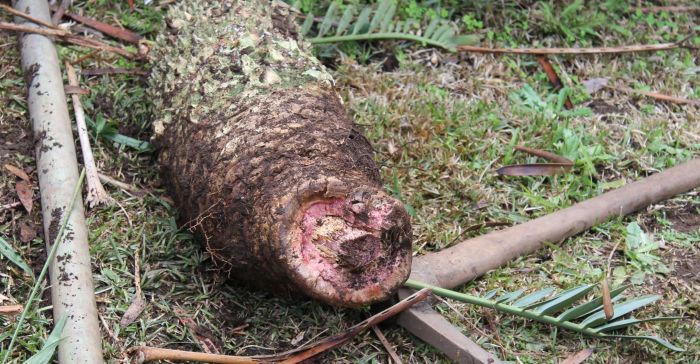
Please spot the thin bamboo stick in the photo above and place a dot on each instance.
(72, 289)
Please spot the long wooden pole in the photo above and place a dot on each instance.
(72, 291)
(472, 258)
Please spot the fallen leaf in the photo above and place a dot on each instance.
(538, 169)
(135, 308)
(595, 84)
(607, 301)
(204, 336)
(553, 78)
(544, 154)
(27, 232)
(25, 194)
(579, 357)
(17, 172)
(297, 339)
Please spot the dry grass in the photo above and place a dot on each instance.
(440, 130)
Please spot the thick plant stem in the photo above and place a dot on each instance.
(72, 290)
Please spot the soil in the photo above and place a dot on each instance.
(685, 219)
(687, 266)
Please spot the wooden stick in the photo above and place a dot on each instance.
(392, 353)
(656, 95)
(27, 17)
(463, 262)
(72, 289)
(68, 37)
(144, 354)
(111, 30)
(96, 193)
(474, 257)
(670, 9)
(576, 51)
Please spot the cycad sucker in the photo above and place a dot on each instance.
(261, 158)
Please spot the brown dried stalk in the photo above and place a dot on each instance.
(68, 37)
(96, 193)
(576, 51)
(111, 30)
(143, 354)
(22, 15)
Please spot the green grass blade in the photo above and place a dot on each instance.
(327, 20)
(533, 297)
(510, 296)
(563, 300)
(655, 339)
(50, 257)
(588, 307)
(134, 143)
(619, 310)
(362, 21)
(44, 355)
(344, 22)
(466, 39)
(632, 321)
(7, 251)
(308, 22)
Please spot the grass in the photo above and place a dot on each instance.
(441, 124)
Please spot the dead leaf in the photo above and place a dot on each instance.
(544, 154)
(17, 172)
(27, 232)
(297, 339)
(553, 78)
(579, 357)
(135, 308)
(595, 84)
(77, 90)
(204, 336)
(607, 300)
(25, 194)
(537, 169)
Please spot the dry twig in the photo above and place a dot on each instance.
(145, 354)
(577, 51)
(392, 353)
(22, 15)
(68, 37)
(96, 193)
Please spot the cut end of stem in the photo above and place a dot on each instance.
(353, 250)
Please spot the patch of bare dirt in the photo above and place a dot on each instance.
(686, 219)
(686, 266)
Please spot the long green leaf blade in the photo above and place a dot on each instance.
(431, 27)
(563, 300)
(9, 252)
(388, 17)
(632, 321)
(345, 20)
(620, 310)
(533, 297)
(510, 296)
(491, 293)
(588, 307)
(308, 22)
(655, 339)
(44, 355)
(362, 21)
(327, 20)
(379, 15)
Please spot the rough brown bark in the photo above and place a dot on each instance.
(262, 160)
